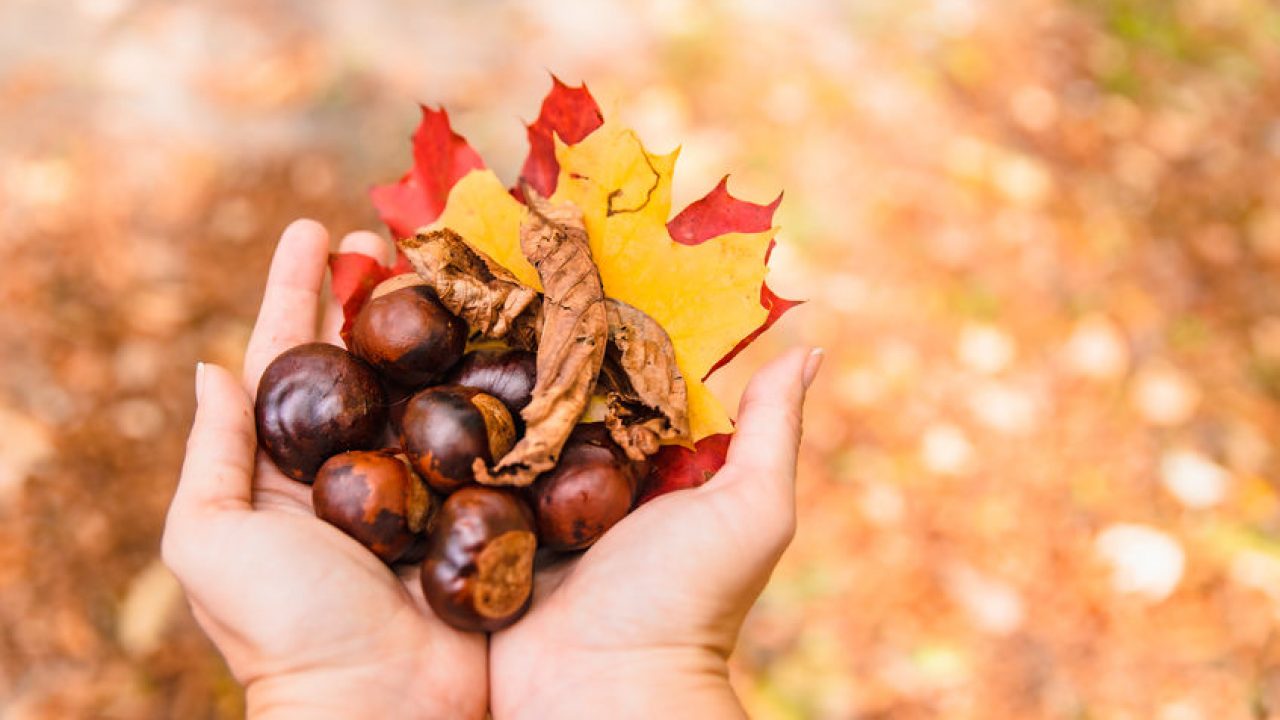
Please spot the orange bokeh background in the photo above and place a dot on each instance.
(1040, 241)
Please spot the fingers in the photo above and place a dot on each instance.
(764, 447)
(217, 473)
(289, 305)
(365, 243)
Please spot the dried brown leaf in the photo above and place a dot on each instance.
(572, 340)
(475, 288)
(648, 401)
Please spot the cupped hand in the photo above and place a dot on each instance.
(310, 622)
(642, 623)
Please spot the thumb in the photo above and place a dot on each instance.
(763, 451)
(217, 473)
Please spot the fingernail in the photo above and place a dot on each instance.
(199, 380)
(811, 366)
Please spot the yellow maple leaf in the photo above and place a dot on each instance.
(706, 296)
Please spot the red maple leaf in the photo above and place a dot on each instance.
(568, 112)
(441, 157)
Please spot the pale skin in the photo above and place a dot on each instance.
(314, 626)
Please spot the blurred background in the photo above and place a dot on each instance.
(1040, 240)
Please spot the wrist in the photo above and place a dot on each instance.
(653, 682)
(346, 693)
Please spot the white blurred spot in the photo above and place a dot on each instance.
(137, 363)
(137, 418)
(1144, 561)
(788, 103)
(24, 443)
(102, 10)
(1034, 108)
(1195, 480)
(882, 503)
(985, 348)
(860, 387)
(946, 450)
(1164, 395)
(845, 292)
(952, 246)
(1138, 167)
(898, 359)
(1004, 408)
(1180, 710)
(235, 219)
(967, 157)
(1022, 179)
(1257, 570)
(955, 17)
(44, 183)
(148, 606)
(992, 604)
(1097, 349)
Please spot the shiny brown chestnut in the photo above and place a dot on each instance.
(445, 429)
(408, 336)
(592, 487)
(315, 401)
(508, 375)
(478, 573)
(375, 497)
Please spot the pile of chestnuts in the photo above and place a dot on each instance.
(389, 432)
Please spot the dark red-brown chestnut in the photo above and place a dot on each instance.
(374, 496)
(508, 375)
(315, 401)
(408, 336)
(592, 487)
(444, 429)
(478, 573)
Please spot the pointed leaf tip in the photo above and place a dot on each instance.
(568, 112)
(441, 157)
(776, 306)
(719, 213)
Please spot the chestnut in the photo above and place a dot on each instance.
(592, 487)
(408, 336)
(478, 573)
(315, 401)
(508, 375)
(373, 496)
(444, 430)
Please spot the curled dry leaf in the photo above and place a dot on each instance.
(490, 299)
(572, 343)
(647, 398)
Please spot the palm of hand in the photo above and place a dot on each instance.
(305, 617)
(305, 595)
(646, 585)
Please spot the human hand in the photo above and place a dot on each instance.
(311, 623)
(642, 623)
